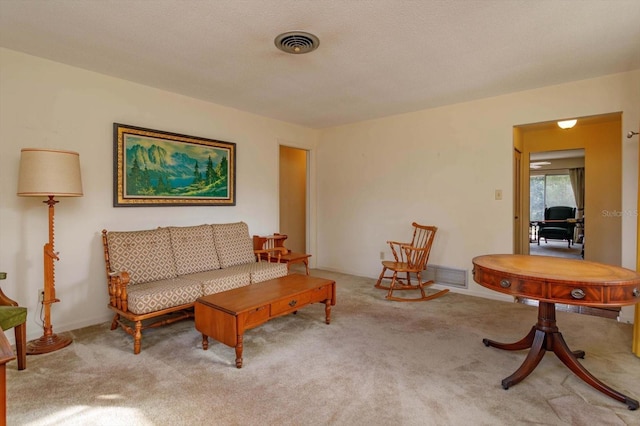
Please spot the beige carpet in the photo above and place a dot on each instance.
(378, 363)
(556, 248)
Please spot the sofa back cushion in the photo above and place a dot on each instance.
(233, 244)
(193, 249)
(145, 255)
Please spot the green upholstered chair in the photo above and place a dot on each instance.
(14, 316)
(559, 224)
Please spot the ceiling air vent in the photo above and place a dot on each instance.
(297, 42)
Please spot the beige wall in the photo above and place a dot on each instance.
(46, 104)
(442, 166)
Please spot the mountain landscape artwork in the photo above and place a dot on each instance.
(157, 168)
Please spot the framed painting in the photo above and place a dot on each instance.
(155, 168)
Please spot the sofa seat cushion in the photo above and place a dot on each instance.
(233, 244)
(146, 255)
(264, 271)
(261, 271)
(194, 249)
(220, 279)
(157, 295)
(555, 231)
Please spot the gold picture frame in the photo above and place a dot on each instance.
(156, 168)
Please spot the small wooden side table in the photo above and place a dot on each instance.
(552, 280)
(277, 241)
(292, 257)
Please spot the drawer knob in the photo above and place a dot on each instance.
(636, 292)
(578, 293)
(505, 283)
(293, 303)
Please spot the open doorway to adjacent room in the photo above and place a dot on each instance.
(293, 193)
(556, 203)
(597, 142)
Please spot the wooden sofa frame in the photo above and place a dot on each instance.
(117, 286)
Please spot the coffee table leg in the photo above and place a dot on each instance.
(327, 311)
(239, 348)
(205, 342)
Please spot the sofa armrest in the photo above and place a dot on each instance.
(268, 246)
(396, 246)
(268, 253)
(118, 282)
(6, 300)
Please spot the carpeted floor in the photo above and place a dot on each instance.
(556, 248)
(377, 363)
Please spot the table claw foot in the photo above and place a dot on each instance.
(579, 354)
(631, 403)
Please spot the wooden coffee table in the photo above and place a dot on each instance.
(227, 315)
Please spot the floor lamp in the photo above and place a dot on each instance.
(49, 173)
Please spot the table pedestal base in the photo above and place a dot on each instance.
(544, 336)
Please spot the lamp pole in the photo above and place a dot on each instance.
(49, 341)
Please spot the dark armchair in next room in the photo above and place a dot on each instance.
(559, 224)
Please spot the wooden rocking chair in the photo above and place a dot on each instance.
(410, 258)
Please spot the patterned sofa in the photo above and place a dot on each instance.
(155, 276)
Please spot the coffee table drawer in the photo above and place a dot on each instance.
(290, 304)
(257, 316)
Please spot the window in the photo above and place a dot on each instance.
(547, 191)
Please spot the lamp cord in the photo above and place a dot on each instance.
(41, 315)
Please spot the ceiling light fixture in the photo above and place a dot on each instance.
(567, 124)
(538, 164)
(297, 42)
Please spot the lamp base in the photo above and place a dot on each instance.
(46, 344)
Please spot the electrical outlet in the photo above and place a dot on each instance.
(40, 295)
(381, 255)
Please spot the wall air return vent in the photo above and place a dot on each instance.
(449, 277)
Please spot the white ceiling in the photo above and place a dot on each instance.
(376, 57)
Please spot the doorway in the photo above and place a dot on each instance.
(557, 183)
(599, 137)
(293, 183)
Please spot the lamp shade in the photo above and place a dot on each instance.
(45, 172)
